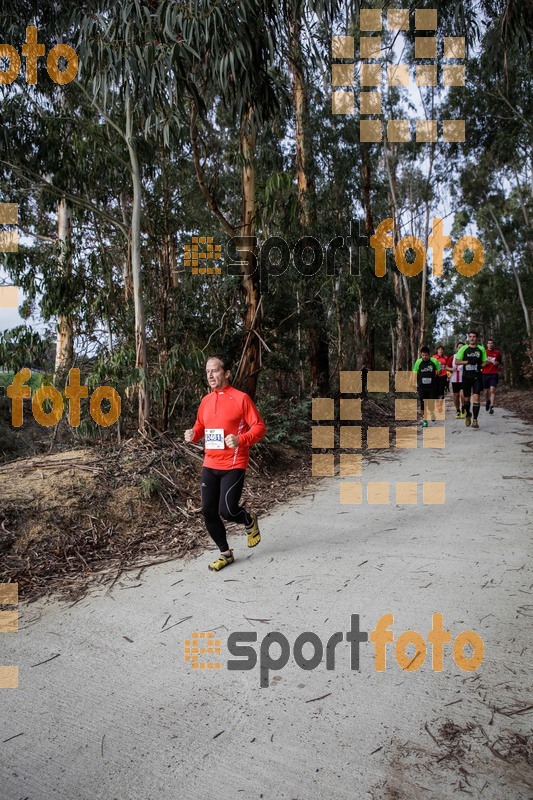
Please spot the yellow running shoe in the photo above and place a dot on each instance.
(475, 423)
(468, 421)
(221, 562)
(254, 537)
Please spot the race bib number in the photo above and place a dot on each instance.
(214, 438)
(426, 380)
(471, 366)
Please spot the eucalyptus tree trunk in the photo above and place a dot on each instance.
(138, 300)
(65, 334)
(422, 332)
(362, 326)
(305, 188)
(399, 349)
(250, 363)
(318, 329)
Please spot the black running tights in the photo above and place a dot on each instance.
(221, 491)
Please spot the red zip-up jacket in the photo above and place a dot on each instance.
(444, 361)
(231, 411)
(490, 368)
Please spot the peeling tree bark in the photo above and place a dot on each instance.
(138, 299)
(250, 364)
(65, 333)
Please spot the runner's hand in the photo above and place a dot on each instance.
(188, 435)
(232, 440)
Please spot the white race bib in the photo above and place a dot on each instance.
(426, 380)
(471, 366)
(214, 438)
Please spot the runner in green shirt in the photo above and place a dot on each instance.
(427, 370)
(473, 356)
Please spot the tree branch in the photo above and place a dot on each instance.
(34, 177)
(226, 226)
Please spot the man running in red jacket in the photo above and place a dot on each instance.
(230, 423)
(490, 374)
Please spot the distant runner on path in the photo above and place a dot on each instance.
(230, 423)
(442, 377)
(426, 370)
(456, 380)
(490, 374)
(472, 356)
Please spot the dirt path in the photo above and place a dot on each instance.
(107, 707)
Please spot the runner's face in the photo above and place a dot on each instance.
(490, 345)
(216, 377)
(472, 339)
(425, 356)
(440, 351)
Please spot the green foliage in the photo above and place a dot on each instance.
(287, 420)
(150, 486)
(23, 347)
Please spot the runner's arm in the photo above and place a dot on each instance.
(255, 421)
(459, 355)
